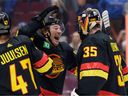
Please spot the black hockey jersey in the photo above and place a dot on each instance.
(101, 68)
(16, 71)
(63, 58)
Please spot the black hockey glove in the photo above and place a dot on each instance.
(41, 16)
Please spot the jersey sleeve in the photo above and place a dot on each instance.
(41, 62)
(125, 72)
(72, 65)
(32, 31)
(29, 29)
(70, 57)
(94, 68)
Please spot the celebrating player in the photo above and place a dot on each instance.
(47, 39)
(101, 68)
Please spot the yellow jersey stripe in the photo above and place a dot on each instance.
(93, 73)
(126, 78)
(46, 67)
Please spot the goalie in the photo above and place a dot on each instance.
(101, 68)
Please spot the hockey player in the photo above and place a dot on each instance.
(101, 68)
(47, 39)
(18, 55)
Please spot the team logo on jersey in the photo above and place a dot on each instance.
(58, 66)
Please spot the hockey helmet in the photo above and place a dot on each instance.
(5, 24)
(53, 17)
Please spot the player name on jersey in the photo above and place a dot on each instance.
(13, 54)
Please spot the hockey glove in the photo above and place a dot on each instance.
(41, 16)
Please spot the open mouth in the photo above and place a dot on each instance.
(56, 38)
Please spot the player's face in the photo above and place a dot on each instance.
(75, 38)
(56, 33)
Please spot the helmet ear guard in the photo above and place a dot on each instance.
(5, 23)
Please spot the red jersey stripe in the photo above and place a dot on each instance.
(106, 93)
(48, 92)
(125, 70)
(41, 62)
(94, 65)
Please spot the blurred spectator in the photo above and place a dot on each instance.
(59, 3)
(116, 13)
(1, 4)
(76, 41)
(124, 46)
(121, 40)
(83, 5)
(114, 7)
(71, 4)
(63, 39)
(9, 6)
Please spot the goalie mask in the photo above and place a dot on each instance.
(89, 19)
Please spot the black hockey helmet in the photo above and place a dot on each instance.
(5, 24)
(53, 17)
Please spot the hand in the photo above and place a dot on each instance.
(41, 16)
(58, 66)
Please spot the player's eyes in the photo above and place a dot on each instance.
(56, 28)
